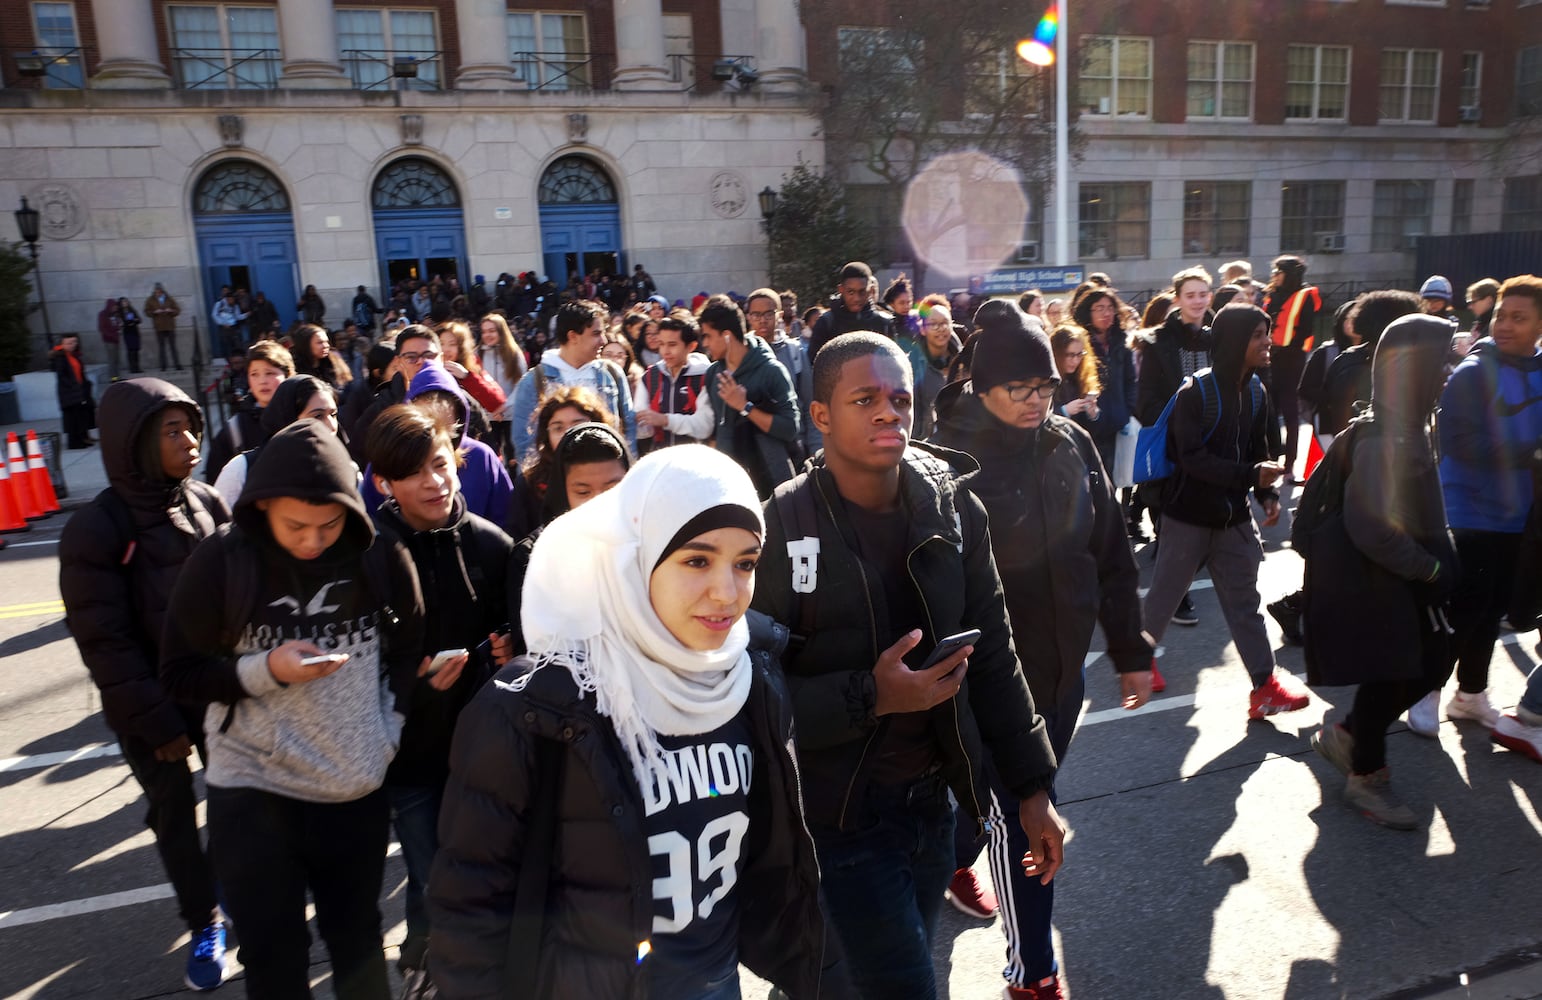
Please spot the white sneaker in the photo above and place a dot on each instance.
(1475, 707)
(1424, 716)
(1517, 735)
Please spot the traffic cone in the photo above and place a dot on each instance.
(1314, 456)
(37, 471)
(21, 489)
(10, 512)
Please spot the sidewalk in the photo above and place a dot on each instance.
(84, 475)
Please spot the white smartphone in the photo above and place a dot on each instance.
(443, 657)
(316, 661)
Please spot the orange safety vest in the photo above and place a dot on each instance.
(1284, 332)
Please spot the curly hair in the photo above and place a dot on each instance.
(586, 401)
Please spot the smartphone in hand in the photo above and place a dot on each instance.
(324, 659)
(442, 658)
(950, 645)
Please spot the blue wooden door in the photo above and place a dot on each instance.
(255, 251)
(420, 243)
(580, 238)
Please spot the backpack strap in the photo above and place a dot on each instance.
(795, 509)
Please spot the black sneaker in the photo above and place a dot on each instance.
(1289, 618)
(1185, 615)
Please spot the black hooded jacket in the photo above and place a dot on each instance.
(242, 595)
(1161, 364)
(117, 585)
(242, 432)
(1059, 540)
(1215, 460)
(463, 570)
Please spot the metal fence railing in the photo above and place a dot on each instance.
(52, 67)
(226, 69)
(565, 71)
(371, 70)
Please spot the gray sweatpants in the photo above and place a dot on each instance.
(1233, 556)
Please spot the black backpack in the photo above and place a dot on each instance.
(1323, 495)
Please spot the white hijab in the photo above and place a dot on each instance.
(586, 607)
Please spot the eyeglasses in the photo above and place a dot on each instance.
(1078, 355)
(413, 357)
(761, 314)
(1020, 393)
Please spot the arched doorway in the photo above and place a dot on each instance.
(245, 234)
(419, 227)
(580, 219)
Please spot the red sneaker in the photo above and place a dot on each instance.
(1280, 693)
(1158, 682)
(969, 896)
(1047, 988)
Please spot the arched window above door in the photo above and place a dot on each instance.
(576, 180)
(238, 186)
(414, 183)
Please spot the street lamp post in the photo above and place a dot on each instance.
(27, 223)
(767, 199)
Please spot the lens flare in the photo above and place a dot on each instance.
(1040, 49)
(964, 213)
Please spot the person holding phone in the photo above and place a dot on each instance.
(1059, 542)
(874, 555)
(301, 632)
(622, 817)
(462, 562)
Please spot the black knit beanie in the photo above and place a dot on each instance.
(1011, 347)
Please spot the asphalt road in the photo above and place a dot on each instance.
(1210, 857)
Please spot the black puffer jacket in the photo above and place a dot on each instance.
(115, 610)
(1216, 463)
(600, 906)
(1059, 540)
(838, 320)
(1161, 364)
(463, 569)
(831, 676)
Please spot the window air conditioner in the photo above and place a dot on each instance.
(1330, 242)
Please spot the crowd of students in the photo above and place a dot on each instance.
(672, 647)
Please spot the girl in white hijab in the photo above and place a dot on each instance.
(623, 802)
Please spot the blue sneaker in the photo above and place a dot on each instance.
(206, 960)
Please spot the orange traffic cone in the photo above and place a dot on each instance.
(37, 471)
(21, 489)
(10, 511)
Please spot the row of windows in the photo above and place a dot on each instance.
(1114, 219)
(236, 46)
(1115, 76)
(1115, 80)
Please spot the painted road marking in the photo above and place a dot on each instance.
(99, 904)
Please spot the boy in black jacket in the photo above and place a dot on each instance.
(872, 557)
(462, 562)
(118, 560)
(1221, 451)
(300, 632)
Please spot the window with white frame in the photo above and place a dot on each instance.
(53, 26)
(1400, 212)
(1528, 82)
(550, 50)
(1461, 205)
(224, 46)
(1410, 85)
(998, 80)
(1316, 82)
(372, 39)
(1220, 80)
(1523, 205)
(1216, 217)
(1310, 211)
(1472, 80)
(679, 47)
(1115, 76)
(1114, 221)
